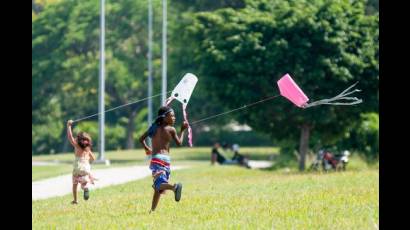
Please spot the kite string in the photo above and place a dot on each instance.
(233, 110)
(83, 118)
(341, 96)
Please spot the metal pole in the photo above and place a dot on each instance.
(149, 64)
(101, 141)
(164, 51)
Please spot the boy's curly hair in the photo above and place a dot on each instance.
(162, 112)
(84, 140)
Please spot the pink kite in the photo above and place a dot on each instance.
(289, 89)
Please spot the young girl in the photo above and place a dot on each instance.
(81, 168)
(162, 132)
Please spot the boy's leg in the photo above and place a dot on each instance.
(161, 181)
(177, 188)
(166, 186)
(178, 191)
(155, 200)
(157, 189)
(160, 185)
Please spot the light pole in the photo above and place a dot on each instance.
(101, 92)
(149, 64)
(164, 51)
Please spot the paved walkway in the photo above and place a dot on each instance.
(42, 163)
(260, 164)
(62, 185)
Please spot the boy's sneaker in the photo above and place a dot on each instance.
(86, 194)
(178, 191)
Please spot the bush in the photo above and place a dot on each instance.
(46, 138)
(364, 137)
(114, 134)
(46, 128)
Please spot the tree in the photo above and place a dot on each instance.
(324, 45)
(364, 137)
(38, 5)
(182, 60)
(65, 59)
(208, 5)
(372, 7)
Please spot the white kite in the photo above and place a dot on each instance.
(182, 92)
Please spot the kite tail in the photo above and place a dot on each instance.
(169, 100)
(336, 100)
(189, 127)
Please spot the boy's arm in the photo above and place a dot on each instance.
(180, 139)
(147, 149)
(70, 133)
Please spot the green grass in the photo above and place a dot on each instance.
(180, 156)
(225, 197)
(46, 171)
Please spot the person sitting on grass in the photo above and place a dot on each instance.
(241, 159)
(238, 158)
(216, 156)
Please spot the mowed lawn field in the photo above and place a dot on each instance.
(225, 197)
(180, 156)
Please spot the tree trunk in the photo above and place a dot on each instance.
(130, 129)
(195, 133)
(304, 145)
(66, 146)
